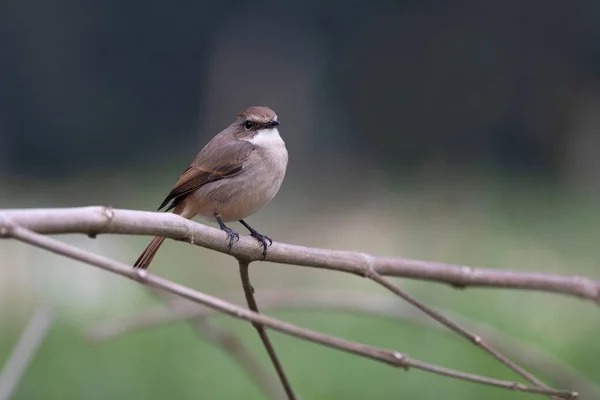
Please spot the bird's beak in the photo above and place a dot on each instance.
(272, 123)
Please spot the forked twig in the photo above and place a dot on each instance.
(264, 337)
(453, 326)
(393, 358)
(370, 304)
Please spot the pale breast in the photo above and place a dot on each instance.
(275, 155)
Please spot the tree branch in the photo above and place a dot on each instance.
(97, 220)
(456, 328)
(262, 332)
(393, 358)
(371, 304)
(367, 266)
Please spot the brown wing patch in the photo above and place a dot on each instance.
(198, 175)
(192, 179)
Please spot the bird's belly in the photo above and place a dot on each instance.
(235, 198)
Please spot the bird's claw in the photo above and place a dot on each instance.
(231, 235)
(262, 241)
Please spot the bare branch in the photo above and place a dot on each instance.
(350, 301)
(262, 332)
(97, 220)
(455, 327)
(393, 358)
(23, 352)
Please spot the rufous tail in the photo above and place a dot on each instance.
(148, 254)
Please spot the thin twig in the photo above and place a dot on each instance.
(97, 220)
(393, 358)
(454, 327)
(32, 337)
(262, 332)
(370, 304)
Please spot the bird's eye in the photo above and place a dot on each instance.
(248, 125)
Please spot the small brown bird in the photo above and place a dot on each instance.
(238, 172)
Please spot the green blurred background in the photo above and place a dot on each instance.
(464, 132)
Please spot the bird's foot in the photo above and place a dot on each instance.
(262, 241)
(231, 235)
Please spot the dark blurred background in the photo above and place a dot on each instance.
(461, 131)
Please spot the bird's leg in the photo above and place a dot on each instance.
(262, 239)
(231, 234)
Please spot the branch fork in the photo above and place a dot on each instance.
(29, 226)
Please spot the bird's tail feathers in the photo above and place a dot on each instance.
(148, 254)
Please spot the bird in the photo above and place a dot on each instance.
(239, 171)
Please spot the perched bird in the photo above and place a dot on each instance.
(238, 172)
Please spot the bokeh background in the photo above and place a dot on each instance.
(463, 131)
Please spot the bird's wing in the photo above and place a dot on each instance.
(226, 161)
